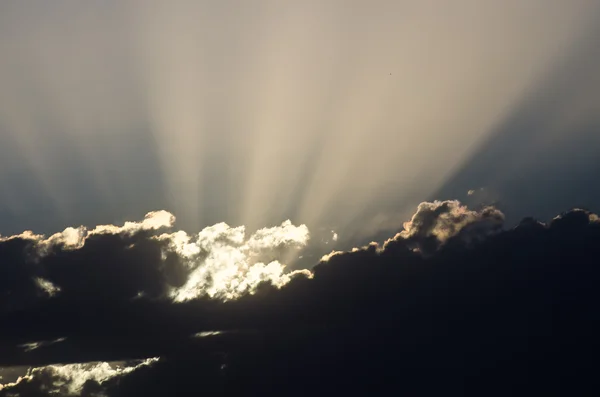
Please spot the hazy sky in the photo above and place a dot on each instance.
(339, 114)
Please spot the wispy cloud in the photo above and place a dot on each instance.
(70, 379)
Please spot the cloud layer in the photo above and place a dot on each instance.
(452, 298)
(134, 260)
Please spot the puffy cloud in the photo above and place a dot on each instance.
(134, 260)
(284, 235)
(435, 223)
(74, 238)
(152, 221)
(223, 262)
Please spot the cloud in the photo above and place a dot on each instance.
(73, 237)
(513, 306)
(152, 221)
(435, 223)
(47, 286)
(70, 379)
(123, 262)
(133, 260)
(27, 347)
(223, 263)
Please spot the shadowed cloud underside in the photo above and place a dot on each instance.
(452, 293)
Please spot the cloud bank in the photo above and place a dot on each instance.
(454, 303)
(134, 259)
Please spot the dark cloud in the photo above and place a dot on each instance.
(108, 266)
(435, 223)
(486, 311)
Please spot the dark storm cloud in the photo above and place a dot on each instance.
(489, 312)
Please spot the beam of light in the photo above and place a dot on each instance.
(545, 147)
(341, 115)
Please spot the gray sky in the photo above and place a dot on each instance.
(339, 114)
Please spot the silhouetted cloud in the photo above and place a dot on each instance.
(71, 379)
(452, 304)
(123, 262)
(435, 223)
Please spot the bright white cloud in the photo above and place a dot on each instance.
(74, 238)
(284, 235)
(223, 260)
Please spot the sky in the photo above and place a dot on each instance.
(210, 168)
(332, 114)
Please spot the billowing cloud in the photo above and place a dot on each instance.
(73, 238)
(111, 261)
(222, 261)
(513, 306)
(435, 223)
